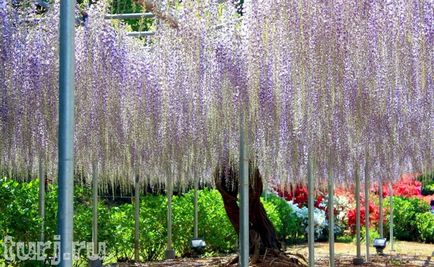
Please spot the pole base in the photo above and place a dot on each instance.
(170, 254)
(358, 261)
(95, 262)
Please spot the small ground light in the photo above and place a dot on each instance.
(95, 262)
(197, 245)
(380, 245)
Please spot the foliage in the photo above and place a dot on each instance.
(19, 218)
(288, 225)
(129, 6)
(425, 226)
(320, 220)
(409, 204)
(406, 186)
(405, 211)
(344, 203)
(373, 233)
(428, 188)
(297, 199)
(427, 180)
(297, 195)
(374, 215)
(116, 223)
(214, 224)
(19, 209)
(345, 238)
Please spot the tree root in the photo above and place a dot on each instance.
(273, 258)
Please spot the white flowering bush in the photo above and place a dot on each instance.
(342, 206)
(320, 220)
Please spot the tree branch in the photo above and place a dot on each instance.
(150, 6)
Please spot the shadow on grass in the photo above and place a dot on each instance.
(344, 239)
(428, 261)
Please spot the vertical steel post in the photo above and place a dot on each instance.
(358, 260)
(170, 253)
(391, 216)
(244, 195)
(196, 208)
(95, 207)
(331, 217)
(311, 221)
(66, 131)
(358, 213)
(380, 192)
(137, 220)
(42, 199)
(367, 210)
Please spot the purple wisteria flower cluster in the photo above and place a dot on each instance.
(348, 83)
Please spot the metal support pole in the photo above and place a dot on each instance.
(95, 260)
(367, 211)
(331, 217)
(310, 206)
(196, 208)
(358, 214)
(391, 216)
(42, 199)
(170, 253)
(137, 220)
(95, 207)
(129, 16)
(380, 192)
(358, 260)
(140, 34)
(66, 131)
(244, 195)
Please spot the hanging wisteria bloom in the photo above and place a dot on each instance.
(349, 84)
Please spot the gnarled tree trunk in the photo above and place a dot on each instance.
(262, 234)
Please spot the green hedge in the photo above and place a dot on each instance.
(288, 225)
(405, 211)
(427, 180)
(425, 226)
(19, 219)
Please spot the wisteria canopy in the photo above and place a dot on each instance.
(347, 83)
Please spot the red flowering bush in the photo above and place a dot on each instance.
(347, 192)
(406, 186)
(299, 196)
(318, 201)
(374, 215)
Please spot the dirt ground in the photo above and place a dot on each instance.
(405, 254)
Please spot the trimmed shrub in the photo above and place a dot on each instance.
(404, 213)
(425, 226)
(427, 180)
(288, 226)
